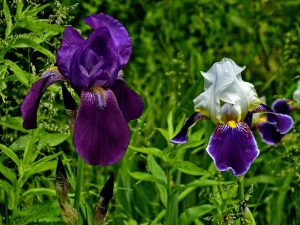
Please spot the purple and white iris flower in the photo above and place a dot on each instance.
(93, 66)
(229, 102)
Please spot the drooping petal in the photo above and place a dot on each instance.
(31, 102)
(129, 102)
(282, 122)
(69, 101)
(248, 119)
(118, 32)
(101, 133)
(182, 136)
(269, 133)
(233, 148)
(281, 106)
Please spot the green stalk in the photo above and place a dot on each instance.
(79, 178)
(241, 194)
(241, 187)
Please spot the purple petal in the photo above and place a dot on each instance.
(261, 108)
(129, 102)
(72, 42)
(248, 119)
(69, 101)
(269, 133)
(31, 102)
(283, 123)
(101, 57)
(233, 148)
(182, 136)
(101, 133)
(118, 32)
(281, 106)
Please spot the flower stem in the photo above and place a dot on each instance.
(241, 194)
(241, 187)
(79, 178)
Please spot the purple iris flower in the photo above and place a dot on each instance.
(265, 124)
(230, 102)
(93, 66)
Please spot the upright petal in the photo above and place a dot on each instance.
(101, 133)
(223, 84)
(129, 102)
(296, 95)
(117, 30)
(269, 133)
(182, 136)
(72, 42)
(31, 102)
(233, 148)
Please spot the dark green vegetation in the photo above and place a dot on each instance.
(156, 182)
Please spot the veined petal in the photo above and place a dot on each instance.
(182, 136)
(269, 133)
(282, 106)
(233, 148)
(31, 102)
(282, 122)
(118, 32)
(101, 133)
(129, 102)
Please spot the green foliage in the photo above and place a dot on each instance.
(156, 181)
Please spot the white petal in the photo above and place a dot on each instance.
(296, 95)
(223, 84)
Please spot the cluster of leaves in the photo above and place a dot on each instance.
(157, 183)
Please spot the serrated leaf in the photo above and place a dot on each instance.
(189, 168)
(147, 150)
(35, 212)
(39, 191)
(27, 43)
(193, 213)
(206, 182)
(41, 27)
(164, 133)
(264, 179)
(9, 189)
(20, 5)
(53, 139)
(8, 19)
(8, 173)
(40, 166)
(14, 123)
(8, 152)
(141, 176)
(22, 75)
(154, 168)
